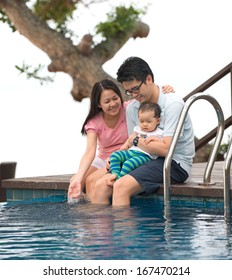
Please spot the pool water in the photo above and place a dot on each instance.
(62, 231)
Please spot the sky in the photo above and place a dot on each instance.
(189, 41)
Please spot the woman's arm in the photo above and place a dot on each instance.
(85, 163)
(89, 154)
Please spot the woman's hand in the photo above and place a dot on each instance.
(108, 164)
(74, 189)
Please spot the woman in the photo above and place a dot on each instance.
(105, 127)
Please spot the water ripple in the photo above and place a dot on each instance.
(86, 231)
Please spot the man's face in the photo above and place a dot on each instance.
(138, 90)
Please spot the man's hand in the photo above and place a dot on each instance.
(168, 89)
(149, 139)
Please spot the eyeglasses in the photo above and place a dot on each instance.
(134, 90)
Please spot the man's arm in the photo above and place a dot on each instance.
(156, 147)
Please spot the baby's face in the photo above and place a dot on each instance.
(147, 121)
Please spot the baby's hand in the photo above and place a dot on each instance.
(131, 138)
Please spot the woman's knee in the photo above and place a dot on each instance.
(90, 180)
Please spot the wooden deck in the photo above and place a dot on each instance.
(192, 188)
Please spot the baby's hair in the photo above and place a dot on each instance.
(149, 106)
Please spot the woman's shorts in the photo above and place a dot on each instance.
(99, 162)
(150, 175)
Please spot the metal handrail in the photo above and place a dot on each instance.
(207, 84)
(226, 178)
(213, 154)
(211, 81)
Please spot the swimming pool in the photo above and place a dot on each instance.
(62, 231)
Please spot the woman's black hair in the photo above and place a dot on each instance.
(95, 97)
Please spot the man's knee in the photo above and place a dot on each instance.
(121, 193)
(126, 186)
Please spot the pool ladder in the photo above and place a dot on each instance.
(213, 154)
(226, 178)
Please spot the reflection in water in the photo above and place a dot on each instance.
(145, 230)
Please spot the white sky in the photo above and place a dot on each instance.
(189, 41)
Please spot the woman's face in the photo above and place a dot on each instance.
(110, 102)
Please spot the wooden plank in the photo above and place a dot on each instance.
(190, 188)
(56, 182)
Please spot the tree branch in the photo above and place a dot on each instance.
(37, 31)
(107, 49)
(83, 63)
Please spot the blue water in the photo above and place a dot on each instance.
(62, 231)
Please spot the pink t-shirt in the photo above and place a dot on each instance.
(109, 139)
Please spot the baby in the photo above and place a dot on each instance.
(130, 156)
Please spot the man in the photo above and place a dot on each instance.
(137, 78)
